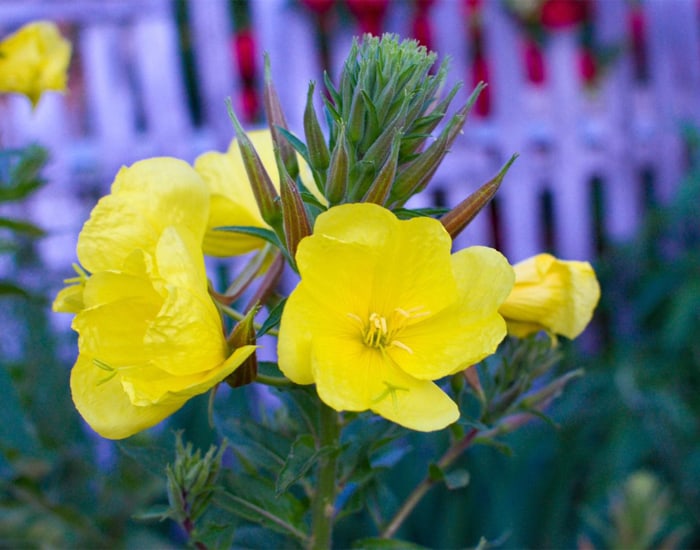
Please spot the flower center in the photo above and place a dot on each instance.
(376, 332)
(380, 332)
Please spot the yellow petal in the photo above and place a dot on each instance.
(558, 296)
(69, 299)
(146, 197)
(106, 407)
(233, 201)
(467, 331)
(33, 60)
(354, 377)
(151, 385)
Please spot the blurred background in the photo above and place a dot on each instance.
(601, 100)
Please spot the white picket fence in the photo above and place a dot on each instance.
(128, 101)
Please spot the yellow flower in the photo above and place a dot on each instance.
(232, 199)
(33, 60)
(146, 197)
(383, 309)
(150, 338)
(553, 295)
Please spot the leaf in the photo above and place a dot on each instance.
(302, 457)
(430, 212)
(257, 446)
(385, 544)
(260, 232)
(295, 142)
(253, 498)
(457, 479)
(17, 435)
(19, 226)
(11, 289)
(273, 319)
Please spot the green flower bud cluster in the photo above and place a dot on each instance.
(380, 117)
(191, 483)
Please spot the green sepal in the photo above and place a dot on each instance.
(457, 219)
(378, 192)
(337, 181)
(319, 155)
(265, 193)
(276, 120)
(295, 218)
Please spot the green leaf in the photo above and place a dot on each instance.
(302, 456)
(298, 145)
(273, 319)
(260, 232)
(19, 226)
(17, 435)
(407, 213)
(11, 289)
(253, 498)
(456, 479)
(257, 446)
(385, 544)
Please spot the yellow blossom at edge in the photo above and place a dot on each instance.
(150, 338)
(553, 295)
(232, 198)
(383, 309)
(34, 59)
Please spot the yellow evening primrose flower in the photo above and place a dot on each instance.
(33, 60)
(552, 295)
(383, 309)
(145, 198)
(232, 198)
(150, 338)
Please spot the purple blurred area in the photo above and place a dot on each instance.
(592, 94)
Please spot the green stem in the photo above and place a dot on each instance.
(323, 510)
(274, 381)
(427, 483)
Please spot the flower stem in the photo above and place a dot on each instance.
(427, 483)
(323, 510)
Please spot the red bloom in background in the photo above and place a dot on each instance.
(562, 13)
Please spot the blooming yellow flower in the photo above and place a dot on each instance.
(33, 60)
(145, 198)
(232, 198)
(150, 338)
(553, 295)
(383, 309)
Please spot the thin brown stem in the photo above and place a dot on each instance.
(427, 483)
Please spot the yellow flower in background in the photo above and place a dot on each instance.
(145, 198)
(150, 338)
(232, 198)
(33, 60)
(552, 295)
(383, 309)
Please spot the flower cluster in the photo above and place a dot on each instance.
(33, 60)
(383, 309)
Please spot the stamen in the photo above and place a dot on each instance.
(401, 345)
